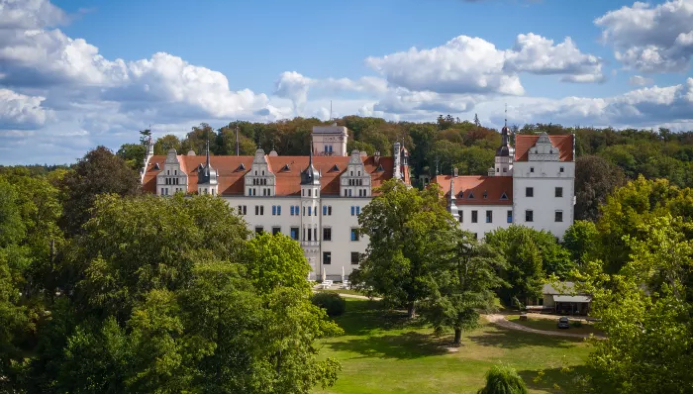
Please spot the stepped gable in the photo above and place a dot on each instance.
(494, 186)
(231, 181)
(524, 142)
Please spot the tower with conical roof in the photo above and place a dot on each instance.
(504, 154)
(310, 215)
(452, 206)
(207, 182)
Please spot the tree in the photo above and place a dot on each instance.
(274, 261)
(645, 312)
(503, 380)
(99, 172)
(166, 143)
(407, 230)
(595, 179)
(133, 154)
(463, 286)
(145, 136)
(476, 121)
(524, 272)
(580, 240)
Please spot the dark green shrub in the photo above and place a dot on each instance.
(333, 303)
(503, 380)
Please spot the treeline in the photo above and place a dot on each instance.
(104, 289)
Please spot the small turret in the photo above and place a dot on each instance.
(310, 176)
(452, 207)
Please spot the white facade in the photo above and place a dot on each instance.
(333, 226)
(542, 186)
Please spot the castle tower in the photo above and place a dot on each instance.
(207, 182)
(310, 216)
(329, 140)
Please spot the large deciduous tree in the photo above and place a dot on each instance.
(408, 231)
(645, 311)
(464, 286)
(99, 172)
(595, 179)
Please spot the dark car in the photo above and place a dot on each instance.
(563, 322)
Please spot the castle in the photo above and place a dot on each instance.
(316, 199)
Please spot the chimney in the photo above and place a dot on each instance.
(491, 172)
(376, 157)
(454, 172)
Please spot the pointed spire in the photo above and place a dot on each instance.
(208, 164)
(506, 114)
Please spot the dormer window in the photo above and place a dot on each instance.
(285, 168)
(504, 196)
(461, 195)
(485, 195)
(471, 195)
(334, 168)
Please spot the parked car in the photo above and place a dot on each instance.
(563, 322)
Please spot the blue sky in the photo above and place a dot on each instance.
(77, 73)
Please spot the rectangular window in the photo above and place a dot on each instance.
(531, 169)
(558, 216)
(559, 192)
(475, 217)
(329, 210)
(324, 210)
(294, 233)
(529, 216)
(353, 211)
(279, 210)
(310, 235)
(304, 211)
(476, 235)
(309, 190)
(461, 216)
(291, 209)
(358, 210)
(489, 216)
(354, 234)
(258, 230)
(529, 192)
(310, 209)
(274, 210)
(510, 216)
(562, 169)
(355, 256)
(327, 234)
(257, 210)
(327, 258)
(262, 209)
(276, 230)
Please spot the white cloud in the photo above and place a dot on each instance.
(639, 80)
(472, 65)
(462, 65)
(295, 87)
(538, 55)
(29, 14)
(651, 39)
(18, 110)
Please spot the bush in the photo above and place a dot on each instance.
(576, 323)
(333, 303)
(503, 380)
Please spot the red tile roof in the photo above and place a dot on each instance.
(494, 186)
(523, 142)
(288, 182)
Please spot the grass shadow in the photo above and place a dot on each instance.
(513, 339)
(556, 380)
(365, 316)
(408, 345)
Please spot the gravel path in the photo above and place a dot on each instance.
(503, 322)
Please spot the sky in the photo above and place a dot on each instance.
(75, 74)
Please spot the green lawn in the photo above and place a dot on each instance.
(340, 291)
(382, 353)
(551, 325)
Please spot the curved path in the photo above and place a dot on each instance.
(502, 321)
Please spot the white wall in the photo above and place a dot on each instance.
(499, 215)
(546, 177)
(341, 222)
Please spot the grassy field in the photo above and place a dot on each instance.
(551, 325)
(382, 353)
(340, 291)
